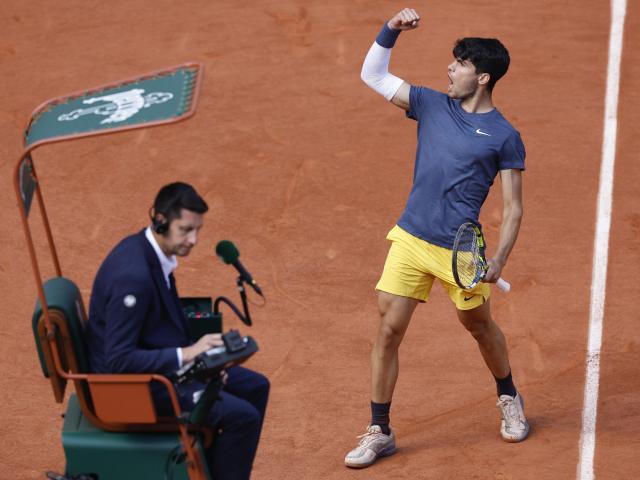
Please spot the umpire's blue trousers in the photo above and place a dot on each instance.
(237, 417)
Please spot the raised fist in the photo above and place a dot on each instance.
(406, 19)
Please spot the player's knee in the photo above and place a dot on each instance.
(478, 329)
(388, 336)
(384, 303)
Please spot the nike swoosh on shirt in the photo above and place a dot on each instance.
(480, 132)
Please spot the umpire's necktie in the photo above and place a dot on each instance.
(176, 302)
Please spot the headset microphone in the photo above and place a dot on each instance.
(229, 254)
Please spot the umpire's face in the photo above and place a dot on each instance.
(183, 233)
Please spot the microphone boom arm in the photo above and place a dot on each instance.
(246, 318)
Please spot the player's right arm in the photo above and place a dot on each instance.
(375, 69)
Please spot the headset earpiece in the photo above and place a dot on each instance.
(159, 226)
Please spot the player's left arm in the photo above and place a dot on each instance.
(375, 69)
(511, 218)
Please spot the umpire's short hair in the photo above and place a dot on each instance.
(488, 55)
(172, 198)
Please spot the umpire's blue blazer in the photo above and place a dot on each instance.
(135, 321)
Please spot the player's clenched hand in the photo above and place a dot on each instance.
(407, 19)
(494, 271)
(204, 343)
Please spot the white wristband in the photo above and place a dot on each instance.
(375, 72)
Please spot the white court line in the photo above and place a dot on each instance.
(601, 244)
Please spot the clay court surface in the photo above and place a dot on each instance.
(306, 170)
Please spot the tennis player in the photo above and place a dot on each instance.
(463, 142)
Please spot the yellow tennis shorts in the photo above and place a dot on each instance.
(412, 265)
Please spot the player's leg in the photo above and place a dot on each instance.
(490, 339)
(493, 347)
(474, 312)
(379, 439)
(395, 315)
(403, 284)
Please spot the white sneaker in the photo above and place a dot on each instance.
(373, 444)
(514, 426)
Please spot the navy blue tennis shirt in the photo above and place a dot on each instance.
(458, 156)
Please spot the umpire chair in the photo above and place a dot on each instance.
(111, 430)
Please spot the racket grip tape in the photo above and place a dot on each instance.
(503, 285)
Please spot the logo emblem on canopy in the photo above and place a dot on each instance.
(119, 106)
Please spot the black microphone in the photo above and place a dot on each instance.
(229, 254)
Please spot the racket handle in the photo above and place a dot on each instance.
(503, 285)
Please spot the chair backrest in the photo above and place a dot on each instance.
(97, 399)
(67, 313)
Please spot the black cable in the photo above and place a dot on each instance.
(246, 318)
(216, 307)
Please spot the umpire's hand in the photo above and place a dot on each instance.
(204, 343)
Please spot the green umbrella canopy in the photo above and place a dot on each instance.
(156, 98)
(164, 96)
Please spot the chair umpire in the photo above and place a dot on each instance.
(136, 325)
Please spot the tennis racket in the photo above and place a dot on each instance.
(468, 262)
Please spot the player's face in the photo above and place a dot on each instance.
(183, 233)
(463, 79)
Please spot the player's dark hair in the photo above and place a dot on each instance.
(488, 55)
(172, 198)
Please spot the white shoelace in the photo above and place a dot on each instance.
(510, 411)
(368, 437)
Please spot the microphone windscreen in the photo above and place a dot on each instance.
(227, 251)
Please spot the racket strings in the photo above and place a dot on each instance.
(469, 263)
